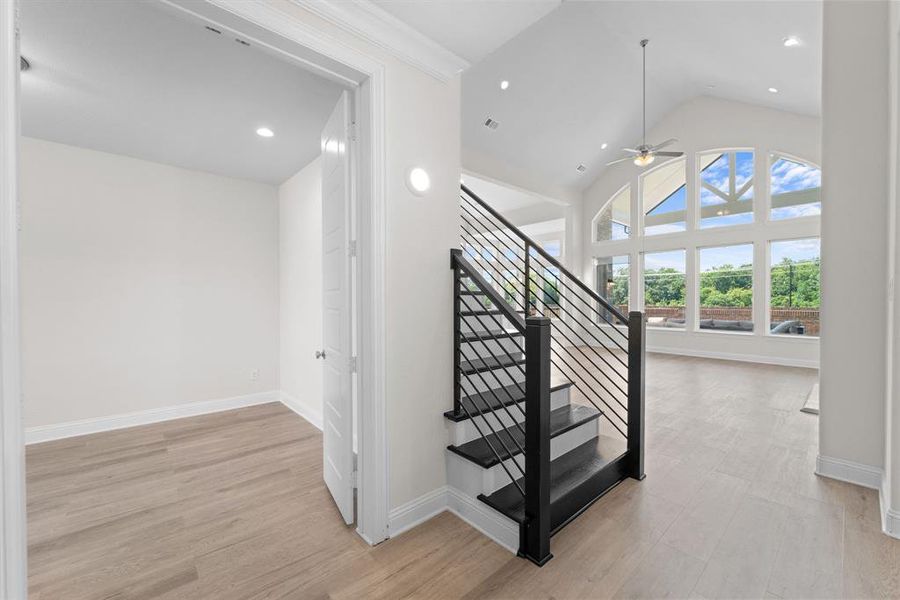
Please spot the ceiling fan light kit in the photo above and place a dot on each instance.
(645, 154)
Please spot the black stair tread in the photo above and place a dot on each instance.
(474, 336)
(467, 312)
(577, 478)
(562, 420)
(488, 363)
(471, 293)
(494, 399)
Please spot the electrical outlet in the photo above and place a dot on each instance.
(254, 375)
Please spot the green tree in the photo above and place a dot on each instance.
(727, 285)
(795, 284)
(664, 287)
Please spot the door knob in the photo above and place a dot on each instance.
(320, 354)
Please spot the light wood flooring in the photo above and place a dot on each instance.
(232, 505)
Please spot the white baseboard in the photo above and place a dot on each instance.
(413, 513)
(307, 412)
(851, 472)
(46, 433)
(752, 358)
(503, 531)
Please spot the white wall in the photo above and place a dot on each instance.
(422, 117)
(891, 484)
(143, 285)
(702, 124)
(300, 275)
(854, 231)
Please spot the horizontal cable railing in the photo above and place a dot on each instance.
(594, 358)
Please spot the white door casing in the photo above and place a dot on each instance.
(337, 423)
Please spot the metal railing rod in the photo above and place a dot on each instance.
(500, 384)
(581, 339)
(493, 431)
(574, 376)
(581, 285)
(589, 399)
(546, 255)
(528, 292)
(495, 453)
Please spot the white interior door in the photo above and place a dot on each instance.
(337, 424)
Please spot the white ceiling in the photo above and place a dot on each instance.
(500, 197)
(575, 79)
(137, 79)
(471, 29)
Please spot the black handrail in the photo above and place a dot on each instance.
(612, 309)
(489, 291)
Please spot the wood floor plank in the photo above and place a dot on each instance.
(232, 506)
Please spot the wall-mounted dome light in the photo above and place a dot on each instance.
(24, 65)
(418, 181)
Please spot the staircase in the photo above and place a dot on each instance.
(548, 410)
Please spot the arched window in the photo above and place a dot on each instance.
(795, 187)
(613, 222)
(664, 198)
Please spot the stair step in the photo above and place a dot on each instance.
(561, 420)
(486, 401)
(577, 479)
(467, 312)
(488, 363)
(473, 336)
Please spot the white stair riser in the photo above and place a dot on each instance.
(492, 347)
(492, 379)
(465, 431)
(472, 479)
(476, 303)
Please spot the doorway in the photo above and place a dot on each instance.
(362, 77)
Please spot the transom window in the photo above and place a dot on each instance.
(613, 222)
(796, 188)
(726, 188)
(664, 198)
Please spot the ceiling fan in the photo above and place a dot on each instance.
(645, 154)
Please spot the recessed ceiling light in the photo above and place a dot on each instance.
(265, 132)
(604, 146)
(504, 85)
(773, 90)
(790, 42)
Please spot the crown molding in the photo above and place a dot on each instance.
(365, 19)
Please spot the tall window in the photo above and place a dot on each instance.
(796, 188)
(613, 222)
(664, 198)
(726, 288)
(794, 282)
(664, 288)
(726, 188)
(612, 274)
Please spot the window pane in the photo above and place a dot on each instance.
(613, 222)
(663, 196)
(664, 285)
(726, 188)
(726, 288)
(612, 280)
(794, 274)
(796, 188)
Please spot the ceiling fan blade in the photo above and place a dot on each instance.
(615, 162)
(669, 153)
(668, 142)
(632, 150)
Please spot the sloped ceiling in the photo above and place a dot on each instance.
(575, 78)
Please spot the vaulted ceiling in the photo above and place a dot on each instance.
(574, 72)
(143, 80)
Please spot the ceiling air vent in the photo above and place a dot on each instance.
(491, 123)
(581, 168)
